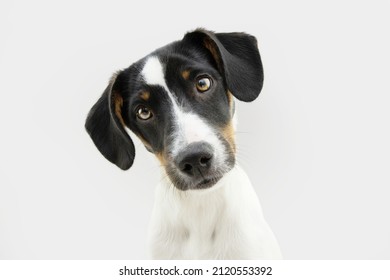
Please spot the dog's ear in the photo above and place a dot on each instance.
(105, 125)
(237, 58)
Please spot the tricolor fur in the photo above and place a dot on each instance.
(179, 101)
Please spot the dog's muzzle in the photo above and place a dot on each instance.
(196, 163)
(195, 160)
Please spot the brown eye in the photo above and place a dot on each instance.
(143, 113)
(203, 84)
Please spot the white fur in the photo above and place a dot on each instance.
(223, 222)
(153, 72)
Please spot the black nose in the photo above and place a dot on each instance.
(196, 159)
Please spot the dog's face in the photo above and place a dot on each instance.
(179, 101)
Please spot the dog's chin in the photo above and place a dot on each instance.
(184, 183)
(203, 184)
(206, 183)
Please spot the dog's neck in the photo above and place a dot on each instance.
(197, 213)
(227, 191)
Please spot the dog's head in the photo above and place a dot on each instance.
(179, 101)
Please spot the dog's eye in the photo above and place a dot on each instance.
(143, 113)
(203, 84)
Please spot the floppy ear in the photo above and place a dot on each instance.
(237, 58)
(105, 125)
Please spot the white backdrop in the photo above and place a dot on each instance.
(315, 143)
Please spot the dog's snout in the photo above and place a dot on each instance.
(196, 159)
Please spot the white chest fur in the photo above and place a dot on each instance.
(223, 222)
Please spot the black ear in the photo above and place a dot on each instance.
(105, 125)
(237, 58)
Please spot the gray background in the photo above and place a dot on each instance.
(315, 143)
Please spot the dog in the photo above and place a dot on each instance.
(179, 101)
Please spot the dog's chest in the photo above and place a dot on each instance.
(202, 229)
(194, 227)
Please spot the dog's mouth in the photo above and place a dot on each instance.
(184, 183)
(207, 183)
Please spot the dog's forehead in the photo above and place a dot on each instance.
(152, 72)
(156, 68)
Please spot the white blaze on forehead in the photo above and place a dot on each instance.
(153, 72)
(188, 127)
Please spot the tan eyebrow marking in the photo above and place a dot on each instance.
(145, 95)
(185, 74)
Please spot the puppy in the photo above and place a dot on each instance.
(179, 101)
